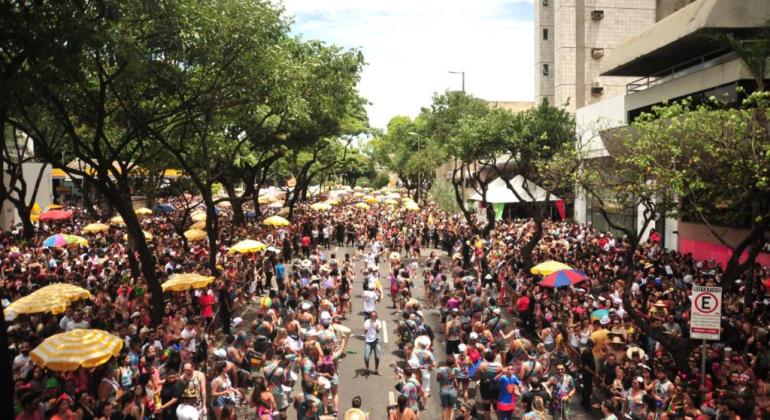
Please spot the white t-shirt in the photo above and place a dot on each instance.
(370, 300)
(372, 330)
(22, 362)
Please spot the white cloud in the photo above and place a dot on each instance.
(410, 45)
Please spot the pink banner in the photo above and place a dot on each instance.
(721, 254)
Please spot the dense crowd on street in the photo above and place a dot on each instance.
(266, 337)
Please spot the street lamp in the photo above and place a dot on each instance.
(461, 73)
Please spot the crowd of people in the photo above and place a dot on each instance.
(266, 338)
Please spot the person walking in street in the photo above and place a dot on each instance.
(372, 326)
(509, 389)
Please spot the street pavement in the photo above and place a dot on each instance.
(377, 392)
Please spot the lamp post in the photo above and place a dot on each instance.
(462, 74)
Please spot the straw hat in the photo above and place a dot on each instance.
(636, 350)
(660, 304)
(617, 340)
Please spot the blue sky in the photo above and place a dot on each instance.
(410, 45)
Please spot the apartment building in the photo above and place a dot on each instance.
(572, 38)
(675, 58)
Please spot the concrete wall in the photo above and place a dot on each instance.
(544, 50)
(731, 70)
(575, 36)
(8, 214)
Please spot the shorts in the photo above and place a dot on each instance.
(488, 391)
(281, 400)
(448, 398)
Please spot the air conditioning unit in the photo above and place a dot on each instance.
(597, 90)
(597, 14)
(597, 52)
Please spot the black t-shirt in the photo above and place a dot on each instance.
(168, 393)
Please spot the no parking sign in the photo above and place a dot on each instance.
(706, 312)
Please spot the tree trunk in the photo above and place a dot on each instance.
(212, 231)
(236, 204)
(133, 264)
(461, 202)
(28, 227)
(146, 260)
(490, 219)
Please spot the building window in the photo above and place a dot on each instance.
(545, 70)
(545, 3)
(545, 34)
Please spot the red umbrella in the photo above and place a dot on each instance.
(55, 215)
(563, 278)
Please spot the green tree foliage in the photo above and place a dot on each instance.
(703, 162)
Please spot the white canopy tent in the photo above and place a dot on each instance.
(498, 192)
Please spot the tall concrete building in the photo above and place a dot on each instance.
(573, 36)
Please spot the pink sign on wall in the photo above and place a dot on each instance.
(720, 253)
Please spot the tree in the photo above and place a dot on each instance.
(525, 144)
(702, 162)
(407, 150)
(327, 111)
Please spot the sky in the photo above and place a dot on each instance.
(411, 45)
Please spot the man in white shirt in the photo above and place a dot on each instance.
(22, 360)
(77, 322)
(370, 300)
(372, 326)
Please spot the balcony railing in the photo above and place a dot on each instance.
(680, 70)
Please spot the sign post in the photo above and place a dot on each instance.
(705, 319)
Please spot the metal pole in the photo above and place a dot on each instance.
(463, 77)
(419, 178)
(703, 364)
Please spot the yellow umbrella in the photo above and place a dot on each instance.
(548, 267)
(333, 202)
(362, 206)
(391, 202)
(412, 206)
(143, 211)
(370, 199)
(77, 348)
(358, 194)
(276, 205)
(117, 220)
(51, 299)
(96, 228)
(194, 235)
(66, 291)
(265, 199)
(321, 207)
(199, 225)
(147, 235)
(198, 216)
(276, 221)
(186, 281)
(54, 207)
(248, 246)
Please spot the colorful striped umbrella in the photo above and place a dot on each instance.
(77, 348)
(563, 278)
(60, 241)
